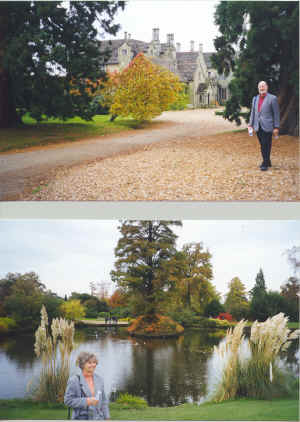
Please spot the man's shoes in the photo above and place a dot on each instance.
(264, 166)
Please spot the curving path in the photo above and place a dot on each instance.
(24, 169)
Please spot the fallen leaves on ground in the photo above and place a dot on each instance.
(223, 167)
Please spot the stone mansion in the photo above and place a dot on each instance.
(193, 67)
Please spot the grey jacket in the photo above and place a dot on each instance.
(268, 117)
(75, 397)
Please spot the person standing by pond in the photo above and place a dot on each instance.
(85, 392)
(265, 120)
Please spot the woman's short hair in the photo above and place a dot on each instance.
(84, 357)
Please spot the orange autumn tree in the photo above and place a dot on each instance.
(142, 90)
(117, 299)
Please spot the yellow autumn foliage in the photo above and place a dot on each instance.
(143, 90)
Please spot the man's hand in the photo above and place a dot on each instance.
(92, 401)
(276, 132)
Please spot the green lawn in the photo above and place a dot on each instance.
(255, 410)
(293, 325)
(55, 131)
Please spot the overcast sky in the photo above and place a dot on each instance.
(186, 19)
(69, 254)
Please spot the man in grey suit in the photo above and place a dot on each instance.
(265, 120)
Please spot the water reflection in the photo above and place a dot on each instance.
(166, 372)
(23, 356)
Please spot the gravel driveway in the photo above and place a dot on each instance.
(222, 167)
(22, 171)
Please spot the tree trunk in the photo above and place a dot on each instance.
(8, 114)
(188, 296)
(289, 121)
(289, 110)
(150, 311)
(113, 117)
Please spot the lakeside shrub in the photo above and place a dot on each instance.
(52, 382)
(225, 316)
(157, 326)
(251, 368)
(127, 401)
(103, 315)
(185, 317)
(7, 325)
(189, 319)
(216, 323)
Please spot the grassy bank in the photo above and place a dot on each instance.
(55, 131)
(255, 410)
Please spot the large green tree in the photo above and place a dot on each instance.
(236, 302)
(23, 296)
(195, 277)
(144, 255)
(47, 54)
(260, 41)
(290, 290)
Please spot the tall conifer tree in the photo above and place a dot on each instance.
(47, 54)
(143, 258)
(260, 41)
(259, 298)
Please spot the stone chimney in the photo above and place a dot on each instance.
(155, 34)
(192, 45)
(125, 35)
(170, 40)
(200, 48)
(178, 46)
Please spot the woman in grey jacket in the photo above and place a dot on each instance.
(85, 392)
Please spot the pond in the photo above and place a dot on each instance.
(166, 372)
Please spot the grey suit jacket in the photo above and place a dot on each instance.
(75, 399)
(268, 117)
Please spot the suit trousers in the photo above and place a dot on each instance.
(265, 140)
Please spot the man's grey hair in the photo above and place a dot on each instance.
(84, 357)
(262, 82)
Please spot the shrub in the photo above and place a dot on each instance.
(55, 372)
(127, 401)
(103, 315)
(156, 326)
(218, 323)
(181, 103)
(91, 313)
(184, 317)
(251, 369)
(7, 325)
(213, 308)
(225, 315)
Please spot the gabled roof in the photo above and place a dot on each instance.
(186, 65)
(186, 61)
(136, 46)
